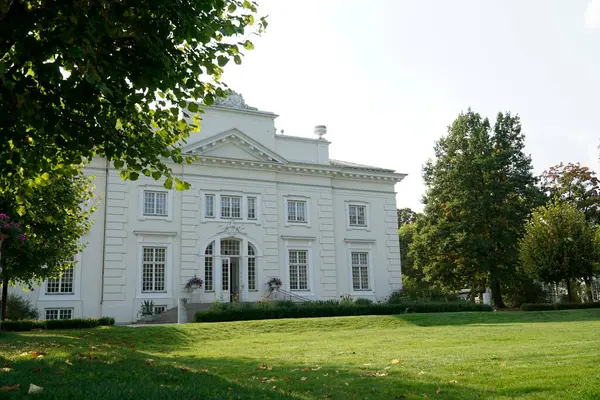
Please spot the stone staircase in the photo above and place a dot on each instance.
(170, 316)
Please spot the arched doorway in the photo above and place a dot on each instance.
(231, 268)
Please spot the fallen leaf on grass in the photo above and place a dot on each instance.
(34, 389)
(317, 368)
(395, 361)
(5, 369)
(38, 353)
(452, 381)
(149, 361)
(460, 374)
(374, 373)
(265, 366)
(303, 378)
(203, 370)
(438, 390)
(35, 371)
(184, 369)
(11, 388)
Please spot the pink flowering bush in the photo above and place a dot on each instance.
(9, 228)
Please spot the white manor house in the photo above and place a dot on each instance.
(261, 205)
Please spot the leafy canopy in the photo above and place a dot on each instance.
(480, 192)
(109, 78)
(559, 244)
(577, 184)
(53, 229)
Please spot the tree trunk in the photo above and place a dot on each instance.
(588, 289)
(4, 294)
(569, 294)
(497, 294)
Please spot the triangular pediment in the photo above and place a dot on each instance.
(236, 145)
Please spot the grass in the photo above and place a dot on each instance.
(535, 355)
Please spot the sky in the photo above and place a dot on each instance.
(387, 77)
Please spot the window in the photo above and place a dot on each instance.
(230, 247)
(225, 273)
(155, 203)
(251, 207)
(357, 215)
(298, 267)
(296, 210)
(360, 270)
(59, 313)
(160, 309)
(208, 267)
(231, 207)
(209, 206)
(64, 284)
(251, 268)
(153, 269)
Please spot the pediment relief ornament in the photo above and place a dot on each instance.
(234, 100)
(232, 229)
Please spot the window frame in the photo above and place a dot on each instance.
(361, 246)
(44, 295)
(213, 208)
(142, 189)
(155, 240)
(306, 244)
(360, 265)
(231, 198)
(307, 211)
(353, 203)
(218, 195)
(212, 258)
(254, 259)
(59, 311)
(154, 263)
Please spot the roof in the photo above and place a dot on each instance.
(347, 164)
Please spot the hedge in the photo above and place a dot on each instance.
(557, 306)
(28, 325)
(326, 309)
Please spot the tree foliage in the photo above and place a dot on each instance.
(577, 184)
(560, 244)
(109, 78)
(406, 216)
(480, 192)
(53, 228)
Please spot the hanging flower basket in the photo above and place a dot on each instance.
(274, 283)
(193, 284)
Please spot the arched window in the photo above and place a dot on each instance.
(208, 267)
(251, 267)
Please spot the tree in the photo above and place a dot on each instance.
(406, 216)
(109, 78)
(480, 193)
(52, 231)
(577, 184)
(559, 245)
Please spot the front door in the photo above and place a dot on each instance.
(226, 277)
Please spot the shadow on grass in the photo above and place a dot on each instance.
(84, 365)
(478, 318)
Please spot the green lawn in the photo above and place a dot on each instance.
(536, 355)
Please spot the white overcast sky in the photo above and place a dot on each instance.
(388, 77)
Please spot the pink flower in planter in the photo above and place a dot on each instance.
(4, 216)
(22, 237)
(6, 226)
(17, 225)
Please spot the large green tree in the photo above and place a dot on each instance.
(109, 78)
(560, 245)
(577, 184)
(52, 231)
(480, 193)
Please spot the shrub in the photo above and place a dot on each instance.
(18, 308)
(329, 308)
(28, 325)
(557, 306)
(363, 302)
